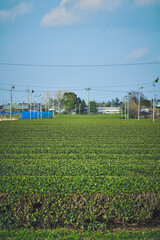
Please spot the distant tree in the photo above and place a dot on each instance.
(133, 109)
(103, 104)
(93, 106)
(78, 105)
(145, 102)
(79, 100)
(70, 101)
(47, 99)
(115, 102)
(58, 100)
(133, 100)
(134, 95)
(108, 104)
(83, 106)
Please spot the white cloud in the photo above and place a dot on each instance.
(63, 2)
(146, 2)
(138, 53)
(90, 4)
(58, 17)
(108, 5)
(72, 11)
(20, 10)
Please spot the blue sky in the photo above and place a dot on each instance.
(72, 40)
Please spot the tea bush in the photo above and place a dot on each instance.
(83, 172)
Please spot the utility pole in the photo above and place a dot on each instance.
(59, 107)
(88, 89)
(35, 103)
(48, 108)
(139, 101)
(34, 106)
(12, 87)
(155, 80)
(128, 104)
(39, 106)
(125, 107)
(22, 109)
(28, 97)
(31, 103)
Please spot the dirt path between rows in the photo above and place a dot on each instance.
(5, 119)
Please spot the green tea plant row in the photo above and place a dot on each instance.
(83, 172)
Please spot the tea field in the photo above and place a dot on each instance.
(79, 172)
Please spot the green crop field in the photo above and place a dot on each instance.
(79, 172)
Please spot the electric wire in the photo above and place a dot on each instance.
(77, 65)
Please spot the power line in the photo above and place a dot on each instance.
(45, 87)
(40, 91)
(126, 85)
(77, 65)
(97, 90)
(80, 88)
(104, 90)
(15, 90)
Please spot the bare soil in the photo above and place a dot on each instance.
(7, 119)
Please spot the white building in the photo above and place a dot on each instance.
(158, 104)
(109, 110)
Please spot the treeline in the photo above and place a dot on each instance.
(68, 103)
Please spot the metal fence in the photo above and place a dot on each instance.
(8, 113)
(33, 115)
